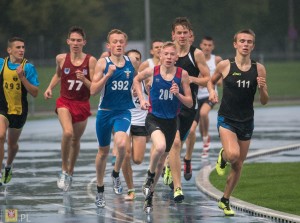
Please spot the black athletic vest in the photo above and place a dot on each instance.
(239, 88)
(188, 63)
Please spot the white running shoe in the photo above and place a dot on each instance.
(117, 187)
(62, 177)
(100, 200)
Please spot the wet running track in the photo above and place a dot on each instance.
(33, 193)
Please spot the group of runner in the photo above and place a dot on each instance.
(163, 98)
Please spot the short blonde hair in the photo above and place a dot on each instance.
(167, 44)
(116, 31)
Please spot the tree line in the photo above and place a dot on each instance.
(44, 24)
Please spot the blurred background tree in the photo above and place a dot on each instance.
(44, 24)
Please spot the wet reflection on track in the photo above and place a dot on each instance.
(35, 196)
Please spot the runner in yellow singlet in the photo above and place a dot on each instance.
(17, 78)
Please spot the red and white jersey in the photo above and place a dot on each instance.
(71, 87)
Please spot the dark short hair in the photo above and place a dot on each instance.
(209, 38)
(76, 29)
(183, 21)
(155, 41)
(14, 39)
(133, 51)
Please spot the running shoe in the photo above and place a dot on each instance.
(62, 178)
(130, 195)
(6, 175)
(221, 164)
(187, 169)
(113, 160)
(147, 187)
(100, 200)
(148, 206)
(178, 195)
(168, 176)
(68, 183)
(117, 187)
(226, 208)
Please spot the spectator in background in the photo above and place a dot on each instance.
(155, 52)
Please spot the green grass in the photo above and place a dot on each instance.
(45, 75)
(283, 80)
(271, 185)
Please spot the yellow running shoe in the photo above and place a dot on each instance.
(178, 195)
(221, 164)
(226, 208)
(168, 176)
(130, 195)
(6, 175)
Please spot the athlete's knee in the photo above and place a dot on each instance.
(204, 113)
(232, 156)
(237, 166)
(192, 132)
(68, 134)
(176, 143)
(121, 143)
(138, 160)
(160, 148)
(102, 154)
(138, 156)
